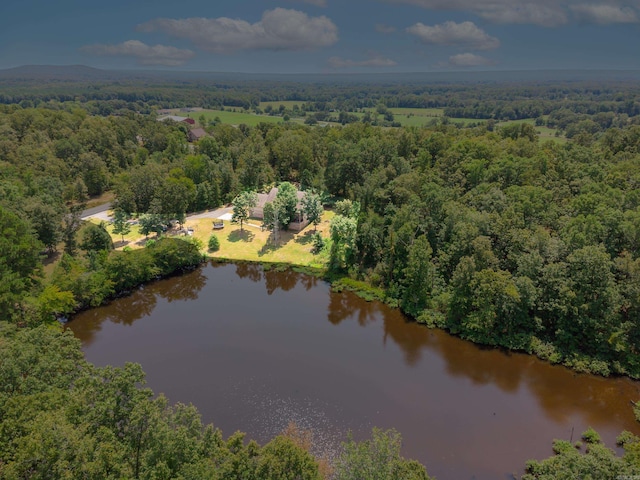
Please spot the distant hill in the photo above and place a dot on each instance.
(83, 73)
(55, 72)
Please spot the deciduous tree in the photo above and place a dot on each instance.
(121, 225)
(312, 208)
(242, 206)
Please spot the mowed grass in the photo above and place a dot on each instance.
(544, 133)
(250, 244)
(288, 104)
(235, 118)
(232, 118)
(414, 120)
(418, 112)
(254, 244)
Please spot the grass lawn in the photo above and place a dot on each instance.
(233, 118)
(250, 244)
(253, 244)
(413, 120)
(418, 112)
(236, 118)
(288, 104)
(544, 133)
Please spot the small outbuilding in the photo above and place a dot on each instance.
(196, 134)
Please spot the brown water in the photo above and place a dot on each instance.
(254, 350)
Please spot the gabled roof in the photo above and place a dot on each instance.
(271, 196)
(196, 134)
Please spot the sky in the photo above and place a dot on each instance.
(322, 36)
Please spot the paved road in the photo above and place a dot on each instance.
(217, 213)
(95, 210)
(100, 213)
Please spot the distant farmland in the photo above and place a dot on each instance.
(233, 118)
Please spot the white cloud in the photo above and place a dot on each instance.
(469, 60)
(143, 53)
(382, 28)
(374, 61)
(279, 29)
(548, 13)
(604, 14)
(465, 34)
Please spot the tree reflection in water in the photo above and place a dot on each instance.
(188, 288)
(275, 279)
(561, 393)
(285, 280)
(139, 304)
(250, 271)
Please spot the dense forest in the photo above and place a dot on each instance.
(486, 231)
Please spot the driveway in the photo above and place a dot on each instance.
(217, 213)
(99, 212)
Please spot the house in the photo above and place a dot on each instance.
(296, 224)
(196, 134)
(190, 121)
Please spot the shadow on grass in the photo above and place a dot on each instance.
(237, 236)
(51, 257)
(305, 238)
(143, 241)
(270, 246)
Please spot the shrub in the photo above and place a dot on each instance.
(318, 243)
(591, 436)
(214, 243)
(195, 241)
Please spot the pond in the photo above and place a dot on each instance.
(255, 350)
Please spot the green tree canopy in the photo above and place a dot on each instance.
(121, 225)
(287, 200)
(242, 206)
(312, 208)
(96, 238)
(19, 262)
(377, 459)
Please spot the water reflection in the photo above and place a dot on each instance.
(449, 384)
(559, 391)
(139, 304)
(347, 305)
(275, 279)
(250, 271)
(187, 287)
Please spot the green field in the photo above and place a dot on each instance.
(407, 117)
(544, 133)
(288, 104)
(418, 112)
(236, 118)
(233, 118)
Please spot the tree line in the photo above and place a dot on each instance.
(63, 418)
(487, 232)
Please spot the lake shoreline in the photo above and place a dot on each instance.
(240, 325)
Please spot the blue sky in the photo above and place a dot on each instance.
(322, 36)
